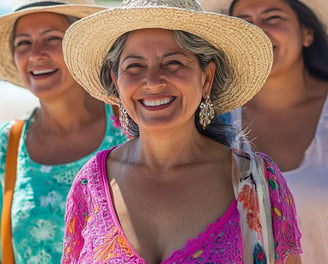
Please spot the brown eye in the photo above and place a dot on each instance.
(22, 43)
(134, 68)
(274, 19)
(172, 65)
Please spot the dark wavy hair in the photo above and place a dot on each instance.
(315, 56)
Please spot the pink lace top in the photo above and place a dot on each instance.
(93, 233)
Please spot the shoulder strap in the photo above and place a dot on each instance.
(115, 110)
(10, 178)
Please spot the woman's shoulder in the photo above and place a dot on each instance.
(283, 211)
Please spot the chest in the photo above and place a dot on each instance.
(219, 242)
(285, 135)
(160, 216)
(38, 211)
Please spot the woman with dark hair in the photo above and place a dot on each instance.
(288, 118)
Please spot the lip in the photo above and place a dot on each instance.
(38, 74)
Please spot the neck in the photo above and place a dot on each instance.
(160, 151)
(283, 91)
(68, 114)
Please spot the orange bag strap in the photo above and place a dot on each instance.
(10, 178)
(115, 110)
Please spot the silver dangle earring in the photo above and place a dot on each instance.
(206, 113)
(124, 119)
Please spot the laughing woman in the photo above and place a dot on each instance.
(59, 137)
(177, 192)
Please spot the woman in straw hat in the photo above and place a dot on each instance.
(176, 192)
(60, 136)
(288, 118)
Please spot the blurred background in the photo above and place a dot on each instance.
(16, 102)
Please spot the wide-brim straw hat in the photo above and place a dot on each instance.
(248, 49)
(319, 7)
(75, 8)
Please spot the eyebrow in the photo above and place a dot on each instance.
(263, 12)
(42, 33)
(163, 56)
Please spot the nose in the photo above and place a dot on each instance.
(261, 24)
(37, 51)
(154, 79)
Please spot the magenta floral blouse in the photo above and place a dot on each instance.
(93, 233)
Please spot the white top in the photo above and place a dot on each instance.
(309, 185)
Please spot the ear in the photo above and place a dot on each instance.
(208, 78)
(114, 79)
(308, 36)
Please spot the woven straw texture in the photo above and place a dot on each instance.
(77, 8)
(248, 49)
(319, 7)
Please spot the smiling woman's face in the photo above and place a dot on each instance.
(279, 21)
(159, 84)
(38, 54)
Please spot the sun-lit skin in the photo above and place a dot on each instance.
(38, 55)
(281, 24)
(160, 85)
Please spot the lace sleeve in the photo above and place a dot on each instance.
(286, 233)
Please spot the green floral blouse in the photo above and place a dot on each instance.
(39, 201)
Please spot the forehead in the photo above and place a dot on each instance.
(251, 5)
(42, 19)
(151, 41)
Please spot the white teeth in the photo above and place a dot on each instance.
(43, 72)
(157, 102)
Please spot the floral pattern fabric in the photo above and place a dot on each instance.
(39, 200)
(93, 233)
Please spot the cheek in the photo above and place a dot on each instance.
(125, 85)
(19, 60)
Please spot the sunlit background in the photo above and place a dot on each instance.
(16, 102)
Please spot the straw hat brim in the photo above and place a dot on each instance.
(8, 70)
(248, 49)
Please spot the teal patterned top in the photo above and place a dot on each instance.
(39, 201)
